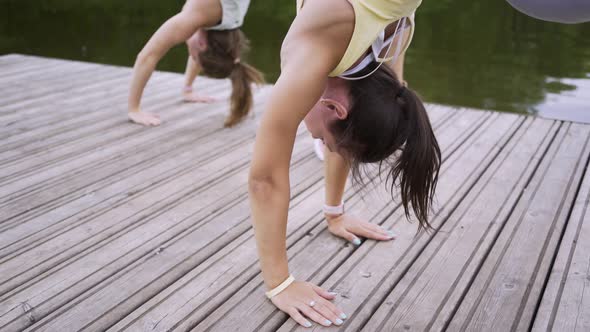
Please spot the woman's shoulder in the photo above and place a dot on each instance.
(318, 14)
(324, 25)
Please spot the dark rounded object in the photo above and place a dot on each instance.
(560, 11)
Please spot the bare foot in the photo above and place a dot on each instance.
(191, 97)
(143, 118)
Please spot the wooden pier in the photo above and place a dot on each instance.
(107, 225)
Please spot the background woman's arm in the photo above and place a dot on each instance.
(177, 29)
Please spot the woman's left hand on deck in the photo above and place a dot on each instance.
(350, 227)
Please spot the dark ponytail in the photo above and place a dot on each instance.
(418, 165)
(222, 59)
(242, 78)
(388, 124)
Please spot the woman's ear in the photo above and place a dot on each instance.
(336, 107)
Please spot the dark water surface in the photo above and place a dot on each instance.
(480, 54)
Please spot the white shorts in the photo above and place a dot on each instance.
(233, 13)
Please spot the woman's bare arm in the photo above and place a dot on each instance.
(177, 29)
(307, 59)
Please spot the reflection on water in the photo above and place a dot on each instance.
(480, 54)
(571, 102)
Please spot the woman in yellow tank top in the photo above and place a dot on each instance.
(332, 78)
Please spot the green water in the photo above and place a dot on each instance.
(480, 54)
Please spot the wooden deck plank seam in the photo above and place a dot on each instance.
(48, 120)
(164, 100)
(42, 72)
(143, 164)
(480, 169)
(194, 167)
(121, 124)
(106, 122)
(92, 114)
(556, 231)
(500, 162)
(69, 151)
(49, 91)
(114, 142)
(555, 220)
(33, 105)
(167, 176)
(551, 148)
(559, 244)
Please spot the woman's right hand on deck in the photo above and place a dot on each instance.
(143, 118)
(306, 299)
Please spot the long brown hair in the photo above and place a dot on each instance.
(388, 124)
(223, 58)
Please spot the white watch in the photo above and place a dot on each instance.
(336, 210)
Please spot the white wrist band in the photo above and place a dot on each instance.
(328, 209)
(280, 288)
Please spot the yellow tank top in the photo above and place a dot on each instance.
(371, 17)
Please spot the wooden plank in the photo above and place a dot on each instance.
(26, 102)
(42, 115)
(98, 125)
(39, 188)
(507, 288)
(107, 103)
(70, 187)
(73, 152)
(423, 296)
(80, 184)
(180, 232)
(113, 182)
(182, 163)
(20, 176)
(36, 71)
(38, 84)
(38, 78)
(565, 305)
(25, 65)
(246, 302)
(56, 87)
(101, 111)
(66, 89)
(27, 69)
